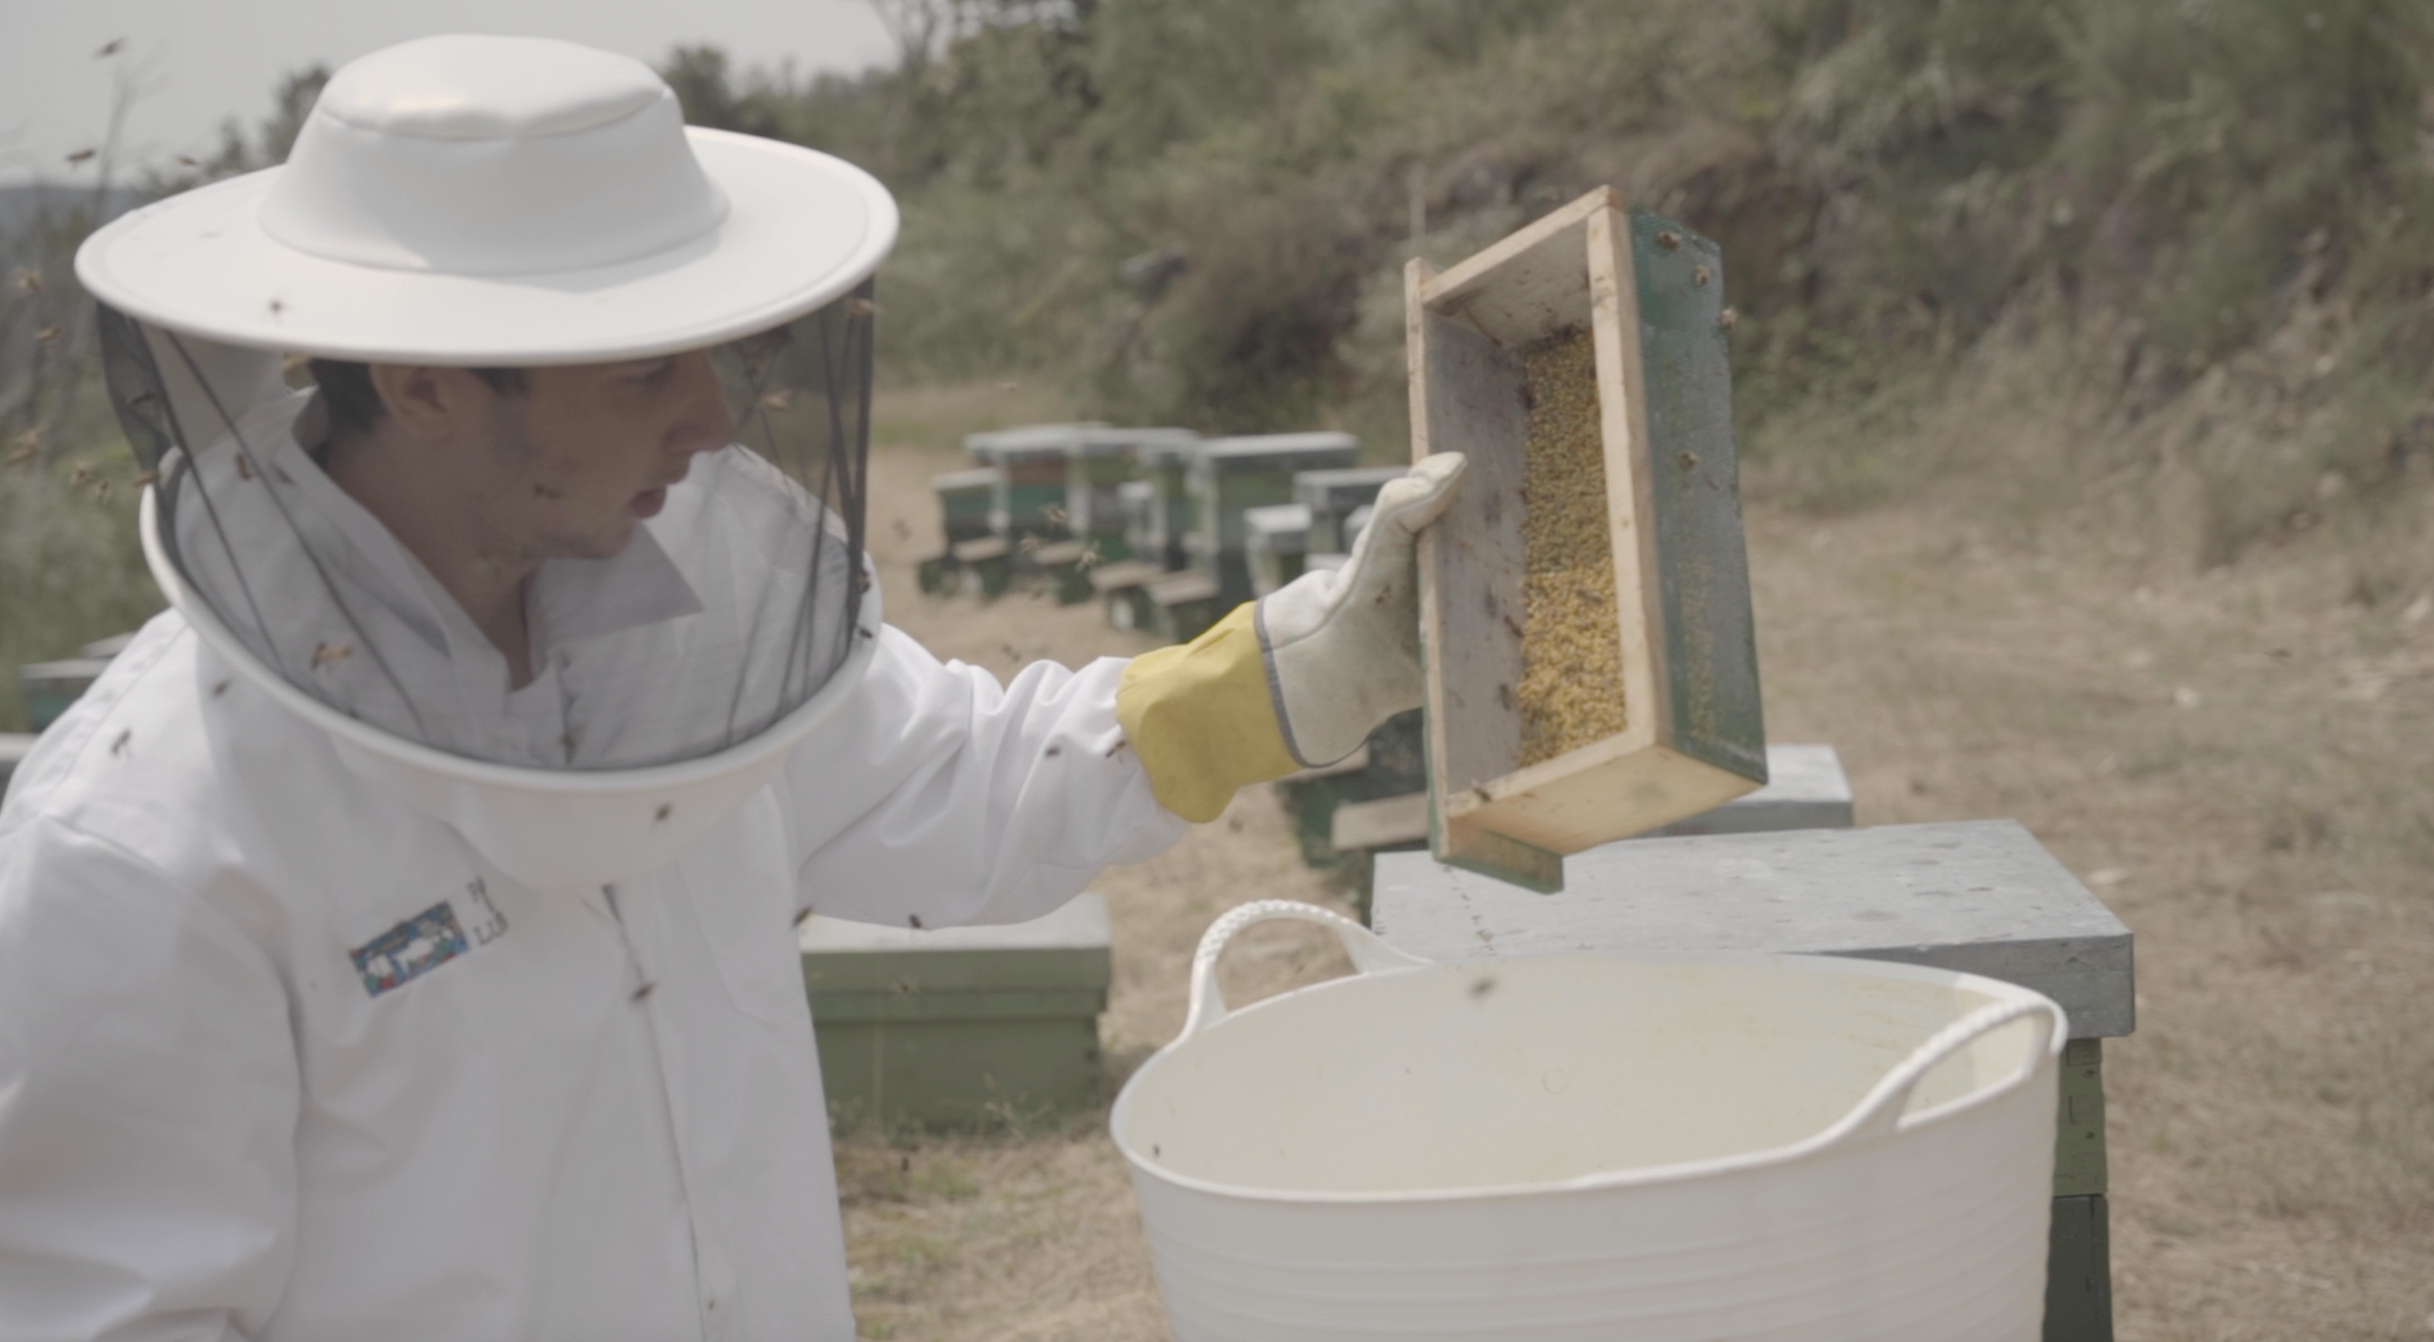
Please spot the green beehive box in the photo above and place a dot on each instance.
(1231, 476)
(964, 498)
(1333, 496)
(962, 1026)
(1030, 461)
(1100, 463)
(1277, 539)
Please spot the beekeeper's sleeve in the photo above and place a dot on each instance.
(941, 796)
(148, 1103)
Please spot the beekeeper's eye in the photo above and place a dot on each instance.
(653, 374)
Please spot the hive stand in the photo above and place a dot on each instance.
(1123, 591)
(1276, 540)
(1231, 475)
(1981, 897)
(1064, 565)
(947, 1028)
(1185, 604)
(1332, 496)
(986, 565)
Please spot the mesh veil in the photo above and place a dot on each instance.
(725, 612)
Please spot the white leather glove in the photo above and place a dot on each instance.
(1343, 646)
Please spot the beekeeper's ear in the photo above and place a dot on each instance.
(430, 403)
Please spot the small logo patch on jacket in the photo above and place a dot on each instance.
(410, 950)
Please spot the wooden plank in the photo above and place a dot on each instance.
(2079, 1272)
(1528, 285)
(1375, 824)
(1467, 393)
(1691, 478)
(1623, 421)
(2080, 1164)
(1127, 573)
(1176, 589)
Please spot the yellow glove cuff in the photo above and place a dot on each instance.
(1202, 718)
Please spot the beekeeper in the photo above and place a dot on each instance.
(397, 941)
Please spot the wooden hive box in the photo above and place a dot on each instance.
(1030, 496)
(963, 501)
(1276, 540)
(1102, 463)
(944, 1028)
(1231, 476)
(1648, 294)
(1332, 496)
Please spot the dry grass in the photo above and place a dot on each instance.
(2238, 763)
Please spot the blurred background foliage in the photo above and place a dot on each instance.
(2192, 240)
(1197, 210)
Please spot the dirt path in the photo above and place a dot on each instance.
(2239, 764)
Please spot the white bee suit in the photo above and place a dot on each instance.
(353, 987)
(211, 1127)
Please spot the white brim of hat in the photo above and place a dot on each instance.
(802, 228)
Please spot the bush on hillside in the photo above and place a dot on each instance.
(1894, 182)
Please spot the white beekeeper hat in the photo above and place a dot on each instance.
(501, 201)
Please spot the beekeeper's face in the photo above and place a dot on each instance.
(570, 462)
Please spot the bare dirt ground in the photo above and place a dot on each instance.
(2241, 764)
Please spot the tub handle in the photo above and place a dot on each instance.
(1880, 1110)
(1370, 954)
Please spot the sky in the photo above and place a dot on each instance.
(203, 61)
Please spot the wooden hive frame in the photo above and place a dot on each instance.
(1650, 293)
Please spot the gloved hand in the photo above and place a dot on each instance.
(1343, 647)
(1299, 678)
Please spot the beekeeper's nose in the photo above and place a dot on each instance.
(707, 424)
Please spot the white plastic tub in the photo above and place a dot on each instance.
(1789, 1148)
